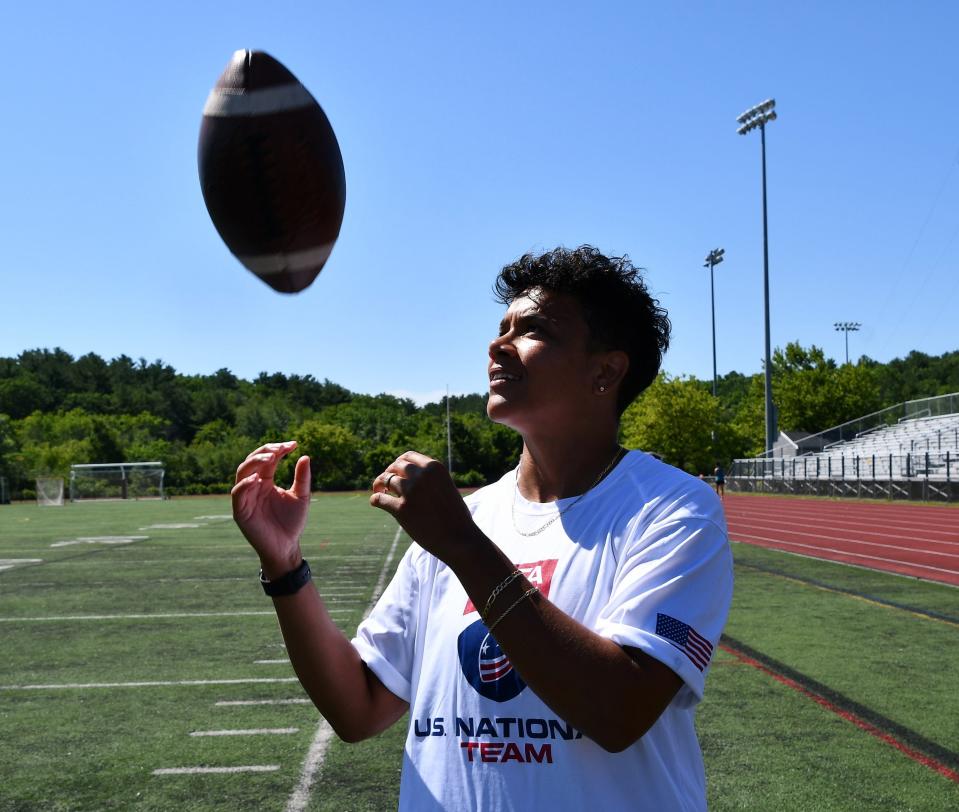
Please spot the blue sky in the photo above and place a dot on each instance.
(471, 134)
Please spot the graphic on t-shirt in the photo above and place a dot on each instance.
(493, 662)
(538, 573)
(685, 638)
(485, 665)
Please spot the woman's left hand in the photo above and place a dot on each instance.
(419, 493)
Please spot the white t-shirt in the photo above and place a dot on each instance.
(643, 560)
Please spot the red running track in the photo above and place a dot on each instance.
(917, 540)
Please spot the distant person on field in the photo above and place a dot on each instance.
(551, 634)
(720, 475)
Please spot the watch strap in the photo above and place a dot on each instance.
(288, 584)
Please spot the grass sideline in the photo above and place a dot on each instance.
(880, 645)
(883, 646)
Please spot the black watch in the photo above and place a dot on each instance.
(288, 584)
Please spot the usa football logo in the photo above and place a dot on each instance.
(486, 666)
(493, 662)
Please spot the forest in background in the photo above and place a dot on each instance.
(57, 410)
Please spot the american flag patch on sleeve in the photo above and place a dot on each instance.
(686, 639)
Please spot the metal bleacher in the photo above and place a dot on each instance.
(937, 434)
(910, 450)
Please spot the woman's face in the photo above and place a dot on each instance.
(541, 371)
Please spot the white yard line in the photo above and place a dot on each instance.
(65, 686)
(311, 767)
(314, 758)
(257, 731)
(284, 661)
(253, 768)
(10, 563)
(229, 703)
(191, 580)
(381, 581)
(151, 616)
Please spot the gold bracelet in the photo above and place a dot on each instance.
(512, 606)
(496, 592)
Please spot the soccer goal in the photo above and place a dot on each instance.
(117, 480)
(50, 491)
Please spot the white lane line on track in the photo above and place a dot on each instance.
(817, 548)
(230, 703)
(252, 768)
(255, 731)
(914, 532)
(153, 616)
(917, 530)
(842, 508)
(300, 796)
(805, 534)
(902, 507)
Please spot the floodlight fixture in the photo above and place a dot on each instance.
(757, 116)
(713, 258)
(760, 110)
(847, 327)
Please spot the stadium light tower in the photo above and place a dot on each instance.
(759, 116)
(847, 327)
(713, 258)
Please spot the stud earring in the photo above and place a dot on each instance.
(602, 389)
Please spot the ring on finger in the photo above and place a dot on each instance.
(388, 480)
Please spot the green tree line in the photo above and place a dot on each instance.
(680, 419)
(57, 410)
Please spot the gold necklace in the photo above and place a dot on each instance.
(620, 453)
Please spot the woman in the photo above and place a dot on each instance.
(720, 475)
(550, 634)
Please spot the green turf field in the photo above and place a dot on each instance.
(123, 637)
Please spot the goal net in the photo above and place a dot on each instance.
(50, 491)
(119, 480)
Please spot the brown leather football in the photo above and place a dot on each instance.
(271, 171)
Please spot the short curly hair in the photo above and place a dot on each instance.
(617, 306)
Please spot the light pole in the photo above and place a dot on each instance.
(713, 258)
(847, 327)
(449, 436)
(759, 116)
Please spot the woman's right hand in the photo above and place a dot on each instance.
(271, 518)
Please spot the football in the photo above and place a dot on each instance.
(271, 171)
